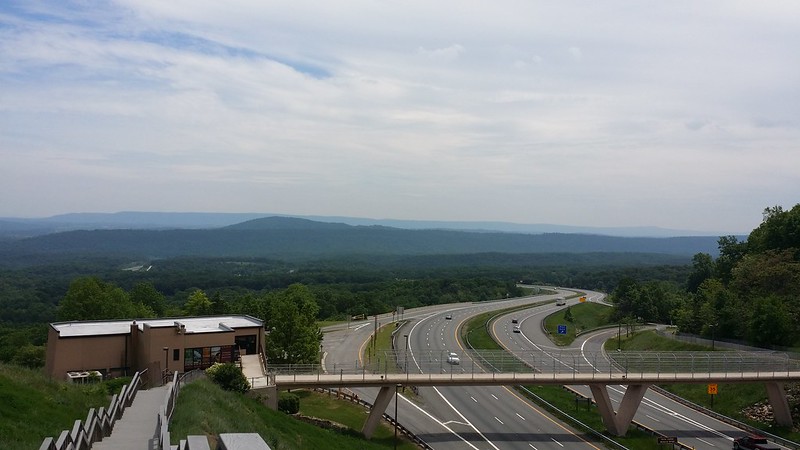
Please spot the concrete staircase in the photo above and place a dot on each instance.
(136, 429)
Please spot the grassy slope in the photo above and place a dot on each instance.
(585, 316)
(204, 409)
(33, 407)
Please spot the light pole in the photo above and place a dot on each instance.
(406, 354)
(713, 328)
(396, 386)
(619, 336)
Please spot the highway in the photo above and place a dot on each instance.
(458, 417)
(656, 411)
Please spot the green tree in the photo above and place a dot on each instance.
(730, 252)
(198, 304)
(771, 323)
(31, 356)
(146, 294)
(702, 269)
(89, 298)
(294, 336)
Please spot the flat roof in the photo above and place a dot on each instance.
(193, 325)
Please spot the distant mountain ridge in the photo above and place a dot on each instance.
(293, 238)
(21, 227)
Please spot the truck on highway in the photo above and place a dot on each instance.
(753, 442)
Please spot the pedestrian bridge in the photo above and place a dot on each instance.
(636, 370)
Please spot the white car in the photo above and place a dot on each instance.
(452, 358)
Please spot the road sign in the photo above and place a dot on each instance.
(712, 389)
(562, 329)
(667, 440)
(583, 299)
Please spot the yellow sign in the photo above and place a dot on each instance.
(712, 389)
(583, 299)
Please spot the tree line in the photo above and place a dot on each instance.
(748, 293)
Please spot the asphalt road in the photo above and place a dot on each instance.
(656, 411)
(456, 417)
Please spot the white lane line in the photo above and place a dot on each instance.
(559, 443)
(531, 446)
(435, 389)
(438, 421)
(361, 326)
(495, 397)
(501, 422)
(706, 442)
(520, 416)
(651, 417)
(473, 399)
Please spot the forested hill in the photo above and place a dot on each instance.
(298, 238)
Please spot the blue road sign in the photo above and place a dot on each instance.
(562, 329)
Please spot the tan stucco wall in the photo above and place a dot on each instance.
(145, 349)
(84, 353)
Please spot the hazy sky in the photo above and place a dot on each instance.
(679, 114)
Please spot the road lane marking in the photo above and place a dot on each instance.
(531, 446)
(473, 399)
(520, 416)
(495, 397)
(501, 422)
(559, 443)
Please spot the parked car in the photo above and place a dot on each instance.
(452, 358)
(753, 442)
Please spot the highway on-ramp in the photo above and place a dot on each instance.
(455, 417)
(657, 412)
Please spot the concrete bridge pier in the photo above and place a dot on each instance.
(376, 412)
(780, 404)
(617, 423)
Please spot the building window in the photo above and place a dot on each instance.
(176, 354)
(204, 357)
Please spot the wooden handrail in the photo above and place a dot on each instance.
(98, 424)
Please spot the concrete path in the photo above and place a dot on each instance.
(136, 429)
(253, 371)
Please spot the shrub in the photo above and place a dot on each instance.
(229, 377)
(288, 403)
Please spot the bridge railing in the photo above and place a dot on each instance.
(560, 361)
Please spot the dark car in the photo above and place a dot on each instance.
(753, 442)
(448, 317)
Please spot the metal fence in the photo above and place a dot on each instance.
(557, 362)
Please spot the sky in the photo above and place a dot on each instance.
(679, 114)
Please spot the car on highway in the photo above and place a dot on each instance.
(448, 317)
(561, 301)
(516, 329)
(753, 442)
(514, 321)
(452, 358)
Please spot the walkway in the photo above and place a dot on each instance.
(253, 371)
(136, 429)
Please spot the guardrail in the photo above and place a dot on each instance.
(400, 428)
(98, 423)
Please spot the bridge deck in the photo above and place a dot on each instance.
(506, 379)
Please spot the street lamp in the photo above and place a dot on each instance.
(713, 328)
(406, 354)
(619, 336)
(396, 386)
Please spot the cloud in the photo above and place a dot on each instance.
(402, 109)
(446, 54)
